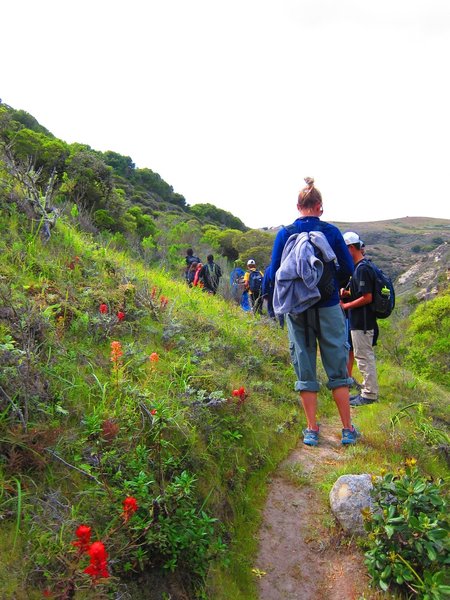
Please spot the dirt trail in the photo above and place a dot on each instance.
(301, 557)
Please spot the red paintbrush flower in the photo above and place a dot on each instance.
(98, 566)
(240, 393)
(103, 309)
(154, 357)
(121, 315)
(83, 533)
(116, 351)
(130, 506)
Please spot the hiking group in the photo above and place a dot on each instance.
(205, 276)
(331, 297)
(321, 285)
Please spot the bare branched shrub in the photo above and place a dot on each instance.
(37, 199)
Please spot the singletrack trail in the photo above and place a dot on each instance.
(299, 557)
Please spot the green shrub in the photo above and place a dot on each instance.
(428, 340)
(408, 537)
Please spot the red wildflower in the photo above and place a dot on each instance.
(163, 301)
(153, 293)
(153, 411)
(154, 357)
(240, 393)
(130, 506)
(121, 315)
(103, 309)
(83, 534)
(98, 566)
(116, 351)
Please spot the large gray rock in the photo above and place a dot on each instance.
(348, 497)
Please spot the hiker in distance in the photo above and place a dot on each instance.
(210, 274)
(362, 320)
(190, 259)
(253, 282)
(196, 280)
(314, 317)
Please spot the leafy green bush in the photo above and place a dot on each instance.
(409, 534)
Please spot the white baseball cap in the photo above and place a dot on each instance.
(251, 263)
(350, 237)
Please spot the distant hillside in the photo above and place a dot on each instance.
(413, 250)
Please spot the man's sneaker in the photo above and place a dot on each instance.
(349, 436)
(311, 437)
(359, 400)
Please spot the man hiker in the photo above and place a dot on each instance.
(253, 282)
(210, 275)
(362, 320)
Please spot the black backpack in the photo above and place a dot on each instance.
(255, 281)
(326, 283)
(383, 301)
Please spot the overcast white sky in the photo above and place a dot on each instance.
(235, 102)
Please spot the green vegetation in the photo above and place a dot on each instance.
(118, 422)
(409, 534)
(427, 343)
(116, 383)
(107, 195)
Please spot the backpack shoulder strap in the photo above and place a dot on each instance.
(363, 261)
(291, 229)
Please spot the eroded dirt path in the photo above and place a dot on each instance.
(302, 555)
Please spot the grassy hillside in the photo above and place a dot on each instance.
(98, 407)
(116, 387)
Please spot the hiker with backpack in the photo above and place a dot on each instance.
(253, 282)
(370, 294)
(190, 259)
(345, 298)
(210, 274)
(197, 270)
(191, 272)
(311, 305)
